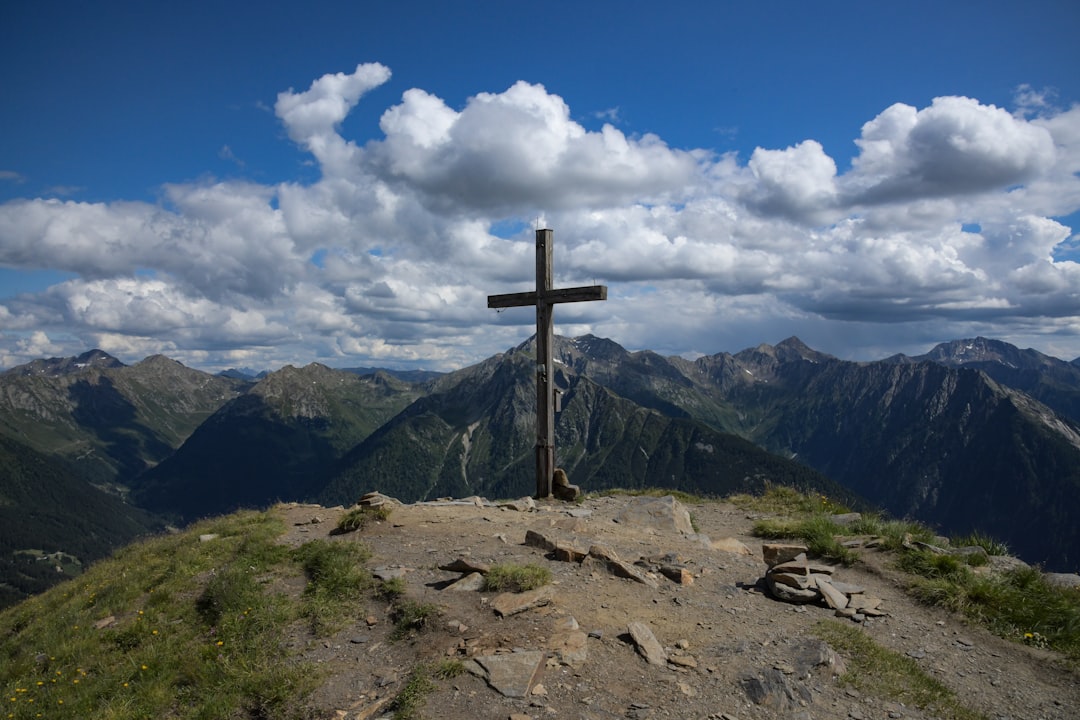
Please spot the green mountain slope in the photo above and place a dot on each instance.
(108, 421)
(476, 433)
(948, 446)
(277, 442)
(52, 524)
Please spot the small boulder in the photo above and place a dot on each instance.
(510, 603)
(473, 582)
(646, 643)
(561, 487)
(731, 545)
(665, 513)
(512, 674)
(466, 566)
(778, 553)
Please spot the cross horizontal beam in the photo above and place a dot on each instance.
(550, 297)
(544, 299)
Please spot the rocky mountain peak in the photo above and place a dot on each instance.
(958, 353)
(302, 392)
(54, 367)
(795, 349)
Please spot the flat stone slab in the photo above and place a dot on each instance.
(509, 603)
(543, 539)
(388, 573)
(512, 674)
(607, 557)
(646, 643)
(800, 582)
(865, 602)
(731, 545)
(804, 566)
(683, 661)
(569, 643)
(472, 582)
(678, 574)
(525, 504)
(565, 547)
(1062, 580)
(664, 513)
(790, 594)
(567, 551)
(847, 588)
(833, 597)
(776, 553)
(465, 566)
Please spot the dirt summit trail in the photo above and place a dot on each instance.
(644, 617)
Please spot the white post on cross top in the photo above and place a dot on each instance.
(544, 298)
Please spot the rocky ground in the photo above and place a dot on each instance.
(727, 649)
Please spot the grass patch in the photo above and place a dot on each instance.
(780, 500)
(894, 533)
(877, 671)
(516, 578)
(359, 518)
(1018, 604)
(391, 589)
(449, 668)
(977, 539)
(818, 532)
(180, 628)
(170, 627)
(410, 616)
(413, 695)
(337, 580)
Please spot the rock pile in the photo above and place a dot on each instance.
(793, 577)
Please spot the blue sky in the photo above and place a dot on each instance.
(255, 184)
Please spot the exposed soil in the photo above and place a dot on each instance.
(728, 626)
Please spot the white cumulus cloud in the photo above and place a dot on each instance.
(951, 221)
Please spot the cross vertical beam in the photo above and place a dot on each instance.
(544, 298)
(545, 392)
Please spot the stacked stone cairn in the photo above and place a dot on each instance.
(793, 577)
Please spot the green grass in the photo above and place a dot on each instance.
(410, 617)
(359, 518)
(413, 695)
(1017, 604)
(337, 580)
(781, 500)
(449, 668)
(391, 589)
(892, 532)
(978, 539)
(178, 628)
(817, 531)
(880, 672)
(516, 578)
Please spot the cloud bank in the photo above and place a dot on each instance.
(943, 226)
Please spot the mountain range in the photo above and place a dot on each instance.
(976, 435)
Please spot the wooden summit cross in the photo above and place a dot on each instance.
(544, 298)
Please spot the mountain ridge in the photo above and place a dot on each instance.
(951, 438)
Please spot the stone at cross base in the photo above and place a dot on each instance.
(561, 487)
